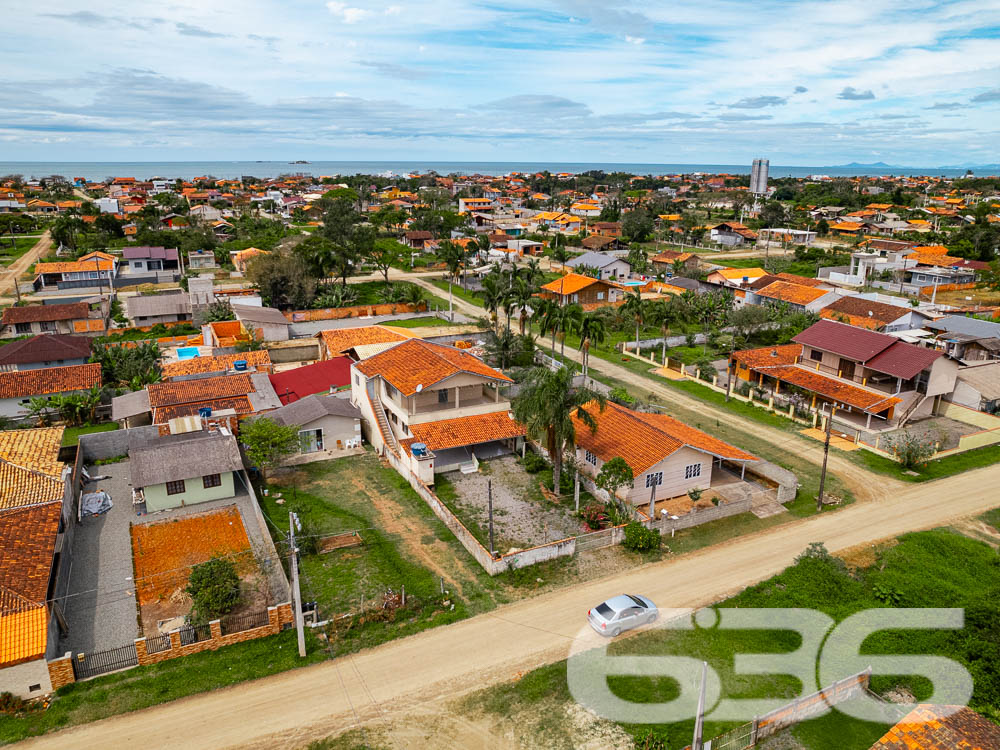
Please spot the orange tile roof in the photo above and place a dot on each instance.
(571, 283)
(203, 389)
(339, 340)
(930, 727)
(214, 364)
(30, 469)
(836, 390)
(769, 355)
(643, 440)
(27, 537)
(800, 280)
(452, 433)
(738, 273)
(71, 266)
(41, 382)
(415, 362)
(796, 294)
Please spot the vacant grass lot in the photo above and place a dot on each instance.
(422, 322)
(937, 568)
(71, 436)
(404, 546)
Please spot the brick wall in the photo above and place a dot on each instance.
(337, 313)
(61, 671)
(277, 616)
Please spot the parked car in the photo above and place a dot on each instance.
(621, 613)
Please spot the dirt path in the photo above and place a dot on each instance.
(865, 485)
(290, 709)
(10, 275)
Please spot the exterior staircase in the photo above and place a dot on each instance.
(470, 467)
(911, 409)
(388, 438)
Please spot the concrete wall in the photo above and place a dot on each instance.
(299, 351)
(194, 493)
(100, 445)
(335, 428)
(19, 678)
(968, 416)
(944, 375)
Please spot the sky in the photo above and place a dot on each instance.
(816, 83)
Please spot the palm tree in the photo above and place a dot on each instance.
(493, 295)
(677, 267)
(532, 272)
(664, 312)
(569, 322)
(546, 405)
(522, 297)
(592, 331)
(546, 314)
(635, 306)
(502, 346)
(560, 254)
(452, 255)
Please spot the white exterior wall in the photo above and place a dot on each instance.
(673, 467)
(943, 377)
(19, 678)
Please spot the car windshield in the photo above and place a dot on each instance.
(639, 602)
(604, 611)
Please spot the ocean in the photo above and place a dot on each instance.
(235, 169)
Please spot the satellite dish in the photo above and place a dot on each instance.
(420, 387)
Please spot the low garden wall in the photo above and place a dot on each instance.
(357, 311)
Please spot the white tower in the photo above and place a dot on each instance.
(758, 176)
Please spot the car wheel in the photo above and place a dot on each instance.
(616, 632)
(652, 618)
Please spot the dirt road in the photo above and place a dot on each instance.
(377, 685)
(10, 275)
(865, 485)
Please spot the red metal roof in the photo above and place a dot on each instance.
(291, 385)
(903, 360)
(854, 343)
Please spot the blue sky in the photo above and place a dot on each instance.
(810, 83)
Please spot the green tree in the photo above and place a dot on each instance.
(637, 225)
(268, 443)
(545, 406)
(638, 259)
(214, 587)
(283, 280)
(127, 366)
(614, 475)
(218, 311)
(384, 253)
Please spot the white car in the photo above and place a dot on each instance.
(621, 613)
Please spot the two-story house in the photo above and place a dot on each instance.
(435, 407)
(143, 260)
(864, 374)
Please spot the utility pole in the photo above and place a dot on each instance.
(293, 522)
(489, 492)
(699, 718)
(826, 455)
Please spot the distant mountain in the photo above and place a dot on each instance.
(876, 165)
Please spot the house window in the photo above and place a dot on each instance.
(211, 480)
(175, 488)
(22, 327)
(600, 295)
(310, 441)
(442, 397)
(654, 479)
(692, 471)
(48, 326)
(591, 458)
(357, 380)
(92, 274)
(815, 355)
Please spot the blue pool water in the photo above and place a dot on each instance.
(187, 352)
(633, 283)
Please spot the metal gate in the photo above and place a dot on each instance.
(101, 662)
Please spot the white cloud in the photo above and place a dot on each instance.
(347, 13)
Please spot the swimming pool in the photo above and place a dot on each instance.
(188, 352)
(633, 283)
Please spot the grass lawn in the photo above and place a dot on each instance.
(404, 546)
(466, 294)
(937, 568)
(142, 687)
(71, 436)
(942, 467)
(21, 246)
(421, 322)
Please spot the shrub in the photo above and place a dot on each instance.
(695, 494)
(594, 516)
(215, 588)
(533, 463)
(620, 396)
(911, 450)
(640, 539)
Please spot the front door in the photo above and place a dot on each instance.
(847, 369)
